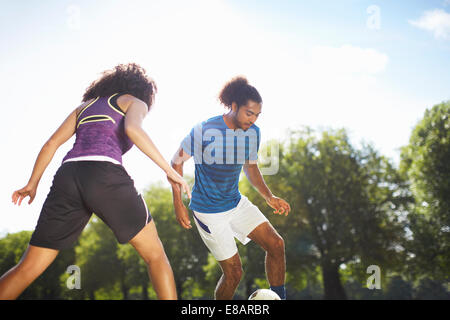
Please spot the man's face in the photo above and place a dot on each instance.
(247, 115)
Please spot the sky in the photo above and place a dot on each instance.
(372, 67)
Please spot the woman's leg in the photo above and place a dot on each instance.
(33, 263)
(150, 248)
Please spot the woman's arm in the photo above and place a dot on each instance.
(135, 114)
(61, 135)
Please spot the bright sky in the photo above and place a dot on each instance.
(372, 67)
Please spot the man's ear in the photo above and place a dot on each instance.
(234, 107)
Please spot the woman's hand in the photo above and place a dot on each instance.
(177, 181)
(28, 191)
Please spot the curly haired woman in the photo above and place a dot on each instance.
(91, 179)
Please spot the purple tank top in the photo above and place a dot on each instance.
(100, 131)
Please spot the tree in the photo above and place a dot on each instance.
(133, 271)
(345, 208)
(425, 161)
(184, 248)
(431, 290)
(48, 285)
(399, 289)
(96, 256)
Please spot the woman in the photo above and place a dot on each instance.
(92, 179)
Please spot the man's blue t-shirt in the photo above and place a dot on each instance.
(219, 154)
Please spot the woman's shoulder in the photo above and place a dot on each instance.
(83, 105)
(125, 100)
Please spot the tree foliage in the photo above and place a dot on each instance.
(345, 209)
(351, 208)
(425, 161)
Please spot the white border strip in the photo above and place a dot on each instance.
(94, 158)
(146, 209)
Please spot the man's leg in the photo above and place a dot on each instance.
(268, 238)
(33, 263)
(232, 274)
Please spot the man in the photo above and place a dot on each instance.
(221, 147)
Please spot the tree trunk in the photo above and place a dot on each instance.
(179, 287)
(332, 283)
(248, 287)
(124, 289)
(145, 290)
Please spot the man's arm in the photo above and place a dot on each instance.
(181, 211)
(255, 177)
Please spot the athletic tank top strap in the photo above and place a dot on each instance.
(113, 102)
(100, 131)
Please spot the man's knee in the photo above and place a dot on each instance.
(276, 246)
(234, 274)
(232, 270)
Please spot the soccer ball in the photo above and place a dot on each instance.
(264, 294)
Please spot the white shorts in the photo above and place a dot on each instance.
(218, 230)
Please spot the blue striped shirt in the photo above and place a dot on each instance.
(219, 154)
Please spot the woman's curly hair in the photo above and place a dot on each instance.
(238, 90)
(125, 78)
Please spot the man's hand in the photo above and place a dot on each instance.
(182, 216)
(181, 212)
(280, 205)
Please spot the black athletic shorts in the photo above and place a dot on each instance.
(81, 188)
